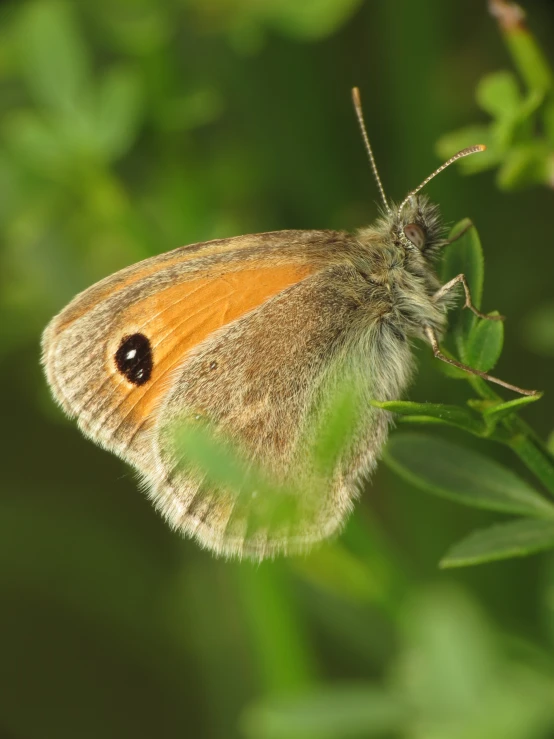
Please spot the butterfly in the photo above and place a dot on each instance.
(253, 333)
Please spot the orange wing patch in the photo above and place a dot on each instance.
(177, 319)
(133, 274)
(124, 278)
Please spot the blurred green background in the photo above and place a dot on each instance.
(130, 127)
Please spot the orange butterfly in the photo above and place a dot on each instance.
(253, 333)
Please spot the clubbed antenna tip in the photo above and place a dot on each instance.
(463, 153)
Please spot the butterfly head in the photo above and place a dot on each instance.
(417, 226)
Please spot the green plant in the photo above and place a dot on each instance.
(470, 478)
(520, 134)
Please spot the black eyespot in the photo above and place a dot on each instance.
(414, 233)
(134, 359)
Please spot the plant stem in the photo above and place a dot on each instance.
(534, 459)
(521, 439)
(526, 53)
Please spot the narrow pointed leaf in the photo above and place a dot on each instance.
(335, 429)
(464, 256)
(514, 539)
(451, 471)
(223, 467)
(499, 94)
(451, 415)
(221, 464)
(525, 164)
(265, 502)
(484, 345)
(501, 410)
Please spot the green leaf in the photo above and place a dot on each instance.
(484, 345)
(499, 94)
(451, 415)
(256, 496)
(450, 143)
(334, 430)
(503, 132)
(532, 103)
(515, 539)
(331, 713)
(54, 55)
(464, 256)
(217, 459)
(463, 475)
(501, 410)
(450, 370)
(524, 165)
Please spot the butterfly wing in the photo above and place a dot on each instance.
(174, 300)
(267, 394)
(244, 331)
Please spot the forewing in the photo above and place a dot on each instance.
(176, 300)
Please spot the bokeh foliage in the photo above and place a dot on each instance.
(520, 134)
(129, 128)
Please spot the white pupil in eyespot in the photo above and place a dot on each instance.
(415, 234)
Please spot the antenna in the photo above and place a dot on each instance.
(359, 113)
(464, 153)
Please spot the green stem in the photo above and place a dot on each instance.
(274, 626)
(521, 439)
(526, 53)
(529, 59)
(534, 459)
(367, 539)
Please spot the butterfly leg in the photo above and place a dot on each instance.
(459, 235)
(439, 355)
(468, 304)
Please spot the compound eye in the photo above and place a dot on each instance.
(415, 234)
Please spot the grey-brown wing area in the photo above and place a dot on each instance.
(261, 381)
